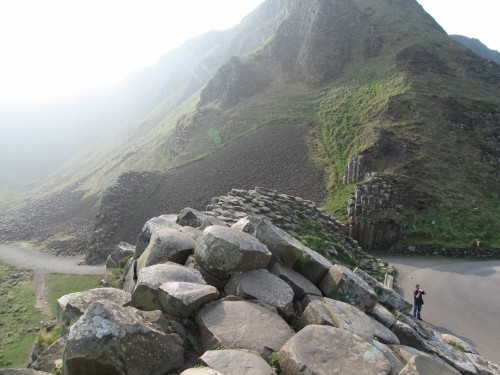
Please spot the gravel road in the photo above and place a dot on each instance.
(462, 298)
(22, 255)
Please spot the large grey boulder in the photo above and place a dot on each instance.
(180, 299)
(71, 306)
(236, 362)
(300, 285)
(342, 284)
(315, 313)
(285, 249)
(166, 245)
(386, 296)
(48, 360)
(424, 365)
(323, 350)
(122, 252)
(247, 224)
(152, 226)
(211, 280)
(452, 356)
(350, 318)
(222, 251)
(235, 324)
(483, 366)
(149, 279)
(212, 220)
(191, 217)
(384, 316)
(342, 315)
(408, 336)
(291, 252)
(263, 286)
(111, 339)
(396, 363)
(312, 265)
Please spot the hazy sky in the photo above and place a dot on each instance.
(56, 48)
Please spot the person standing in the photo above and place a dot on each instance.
(418, 301)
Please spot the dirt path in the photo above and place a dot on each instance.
(462, 297)
(24, 256)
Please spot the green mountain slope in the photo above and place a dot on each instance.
(403, 120)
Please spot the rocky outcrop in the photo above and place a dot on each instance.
(181, 315)
(230, 361)
(71, 306)
(233, 82)
(111, 339)
(117, 202)
(340, 351)
(236, 324)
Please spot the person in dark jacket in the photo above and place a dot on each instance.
(418, 301)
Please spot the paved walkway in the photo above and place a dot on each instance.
(23, 256)
(463, 297)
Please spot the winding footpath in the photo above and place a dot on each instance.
(24, 256)
(463, 297)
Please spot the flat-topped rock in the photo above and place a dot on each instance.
(151, 226)
(180, 299)
(222, 251)
(342, 284)
(166, 245)
(71, 306)
(423, 365)
(324, 350)
(236, 361)
(300, 285)
(149, 279)
(111, 339)
(237, 324)
(263, 286)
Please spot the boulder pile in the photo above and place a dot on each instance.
(206, 295)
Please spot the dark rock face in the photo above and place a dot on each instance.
(233, 82)
(301, 45)
(117, 203)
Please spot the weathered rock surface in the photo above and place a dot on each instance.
(396, 363)
(166, 245)
(145, 294)
(300, 285)
(237, 324)
(191, 217)
(384, 316)
(221, 251)
(120, 254)
(235, 362)
(342, 284)
(111, 339)
(181, 299)
(423, 365)
(47, 361)
(386, 296)
(71, 306)
(328, 350)
(150, 227)
(263, 286)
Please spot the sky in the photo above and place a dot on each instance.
(54, 49)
